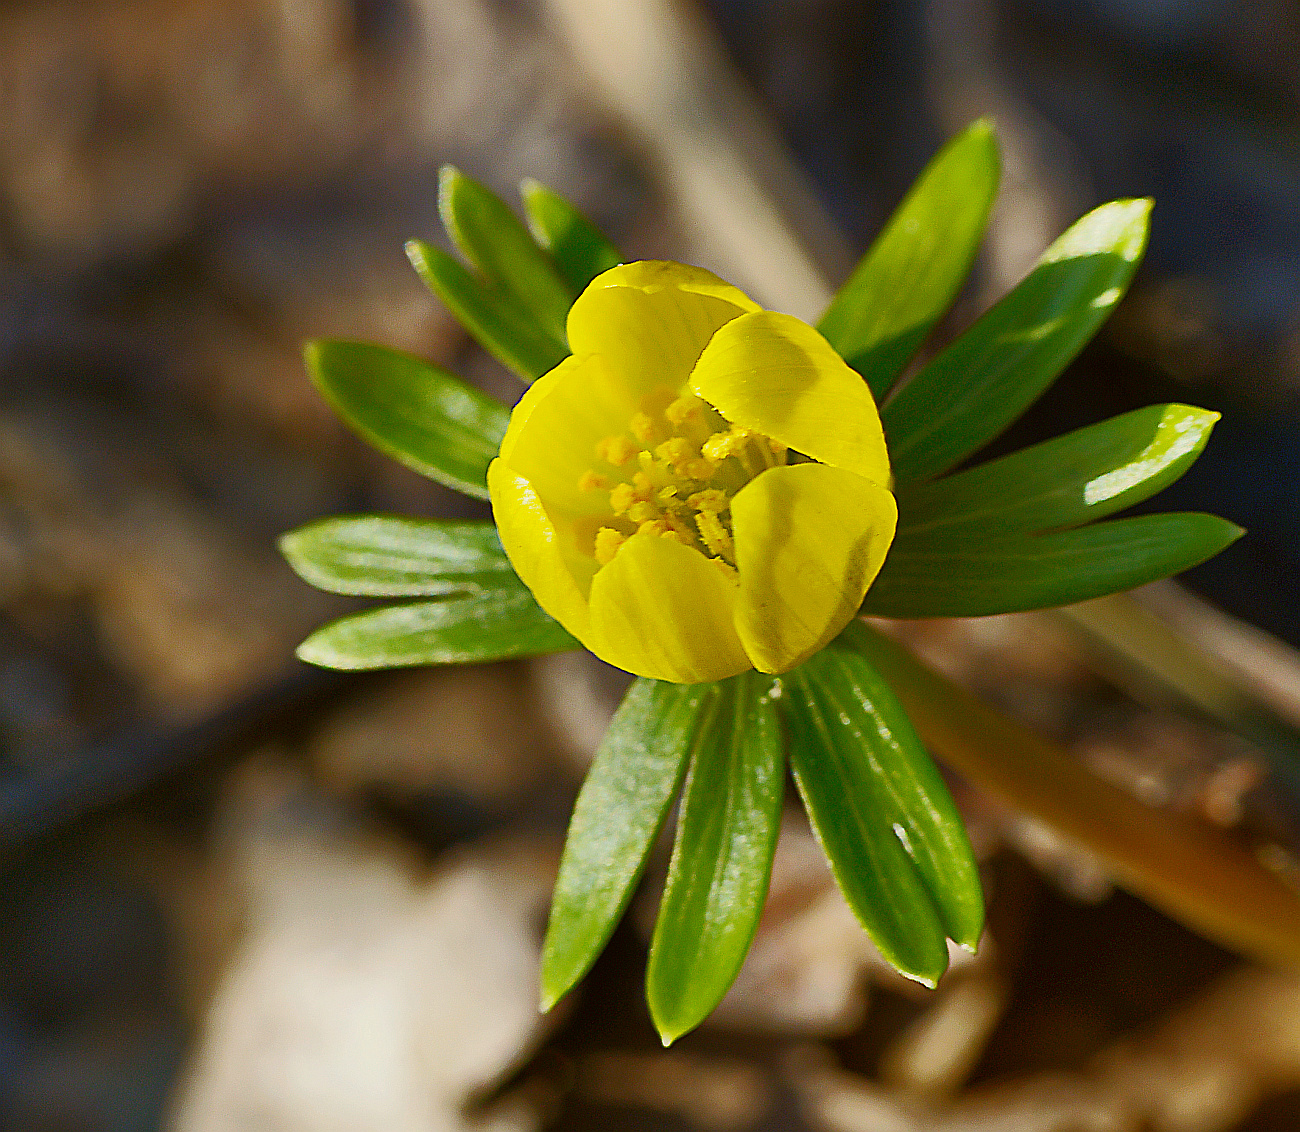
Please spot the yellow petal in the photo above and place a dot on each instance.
(810, 540)
(556, 426)
(652, 319)
(777, 375)
(540, 557)
(663, 610)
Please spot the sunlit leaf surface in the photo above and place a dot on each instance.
(722, 858)
(1036, 571)
(910, 275)
(410, 410)
(998, 368)
(498, 322)
(385, 556)
(618, 815)
(464, 629)
(495, 241)
(579, 249)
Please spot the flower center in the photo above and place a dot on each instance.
(673, 473)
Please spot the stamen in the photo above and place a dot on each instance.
(685, 409)
(715, 536)
(622, 497)
(648, 430)
(684, 444)
(711, 499)
(608, 541)
(616, 450)
(727, 570)
(676, 452)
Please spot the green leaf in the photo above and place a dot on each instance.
(908, 784)
(1084, 475)
(496, 242)
(494, 625)
(998, 368)
(722, 858)
(580, 250)
(911, 274)
(1191, 869)
(386, 556)
(854, 822)
(616, 820)
(416, 413)
(498, 322)
(1038, 571)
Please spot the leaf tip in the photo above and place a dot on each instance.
(669, 1030)
(449, 177)
(417, 254)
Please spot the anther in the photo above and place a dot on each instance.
(646, 429)
(608, 541)
(714, 535)
(710, 499)
(593, 481)
(622, 497)
(684, 409)
(616, 450)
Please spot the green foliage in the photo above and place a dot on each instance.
(464, 629)
(498, 322)
(497, 244)
(579, 249)
(881, 812)
(416, 413)
(1013, 533)
(1038, 571)
(999, 367)
(384, 556)
(912, 272)
(722, 857)
(656, 732)
(1084, 475)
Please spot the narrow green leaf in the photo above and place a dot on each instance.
(854, 824)
(580, 250)
(999, 367)
(386, 556)
(499, 324)
(911, 274)
(722, 858)
(500, 623)
(416, 413)
(1083, 475)
(908, 784)
(1038, 571)
(1193, 870)
(496, 242)
(618, 815)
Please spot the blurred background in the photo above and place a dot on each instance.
(239, 895)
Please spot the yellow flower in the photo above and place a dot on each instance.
(701, 488)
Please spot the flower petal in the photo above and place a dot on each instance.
(777, 375)
(809, 541)
(555, 427)
(650, 320)
(663, 610)
(556, 574)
